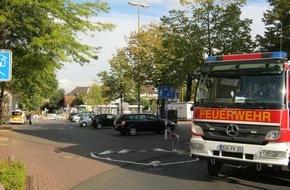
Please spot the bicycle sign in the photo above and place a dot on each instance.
(166, 92)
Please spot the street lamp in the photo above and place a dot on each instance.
(138, 5)
(143, 5)
(281, 32)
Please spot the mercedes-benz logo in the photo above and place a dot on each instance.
(232, 130)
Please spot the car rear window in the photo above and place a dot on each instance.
(129, 117)
(110, 116)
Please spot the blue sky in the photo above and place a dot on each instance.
(124, 16)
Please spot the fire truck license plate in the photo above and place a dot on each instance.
(228, 148)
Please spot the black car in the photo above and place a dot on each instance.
(100, 120)
(133, 123)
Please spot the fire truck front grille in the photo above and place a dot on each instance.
(233, 155)
(250, 134)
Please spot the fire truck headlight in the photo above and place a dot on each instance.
(271, 154)
(198, 146)
(273, 135)
(196, 130)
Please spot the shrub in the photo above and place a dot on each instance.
(12, 175)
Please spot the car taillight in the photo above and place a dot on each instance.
(123, 122)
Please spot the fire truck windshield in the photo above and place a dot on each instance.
(245, 91)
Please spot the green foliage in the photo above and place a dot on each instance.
(42, 35)
(224, 32)
(277, 21)
(120, 80)
(95, 96)
(55, 102)
(12, 175)
(165, 53)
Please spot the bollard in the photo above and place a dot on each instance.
(172, 137)
(165, 134)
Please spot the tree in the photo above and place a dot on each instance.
(224, 31)
(42, 35)
(95, 96)
(119, 83)
(277, 21)
(55, 103)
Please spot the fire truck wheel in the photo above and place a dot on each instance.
(213, 169)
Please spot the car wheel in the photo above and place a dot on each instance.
(83, 124)
(99, 126)
(132, 131)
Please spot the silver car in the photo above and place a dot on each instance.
(85, 120)
(77, 117)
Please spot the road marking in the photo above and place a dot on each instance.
(153, 163)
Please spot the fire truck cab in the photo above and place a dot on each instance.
(241, 111)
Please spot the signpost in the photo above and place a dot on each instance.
(5, 65)
(166, 92)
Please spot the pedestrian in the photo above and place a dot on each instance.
(29, 118)
(36, 118)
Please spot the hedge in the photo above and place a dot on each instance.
(12, 175)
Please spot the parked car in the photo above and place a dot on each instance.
(85, 120)
(72, 114)
(77, 117)
(101, 120)
(52, 116)
(133, 123)
(17, 117)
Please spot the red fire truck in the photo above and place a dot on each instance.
(241, 112)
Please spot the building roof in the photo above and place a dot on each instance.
(149, 89)
(79, 90)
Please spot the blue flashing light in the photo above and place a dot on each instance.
(278, 54)
(211, 58)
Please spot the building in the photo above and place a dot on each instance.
(148, 92)
(68, 98)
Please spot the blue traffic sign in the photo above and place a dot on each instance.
(166, 92)
(5, 65)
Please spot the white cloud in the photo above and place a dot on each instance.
(73, 74)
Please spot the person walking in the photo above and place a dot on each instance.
(36, 118)
(30, 118)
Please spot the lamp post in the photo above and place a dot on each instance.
(143, 5)
(276, 23)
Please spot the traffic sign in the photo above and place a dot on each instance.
(166, 92)
(5, 65)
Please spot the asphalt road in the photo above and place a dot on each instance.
(146, 161)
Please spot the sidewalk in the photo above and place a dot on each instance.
(47, 166)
